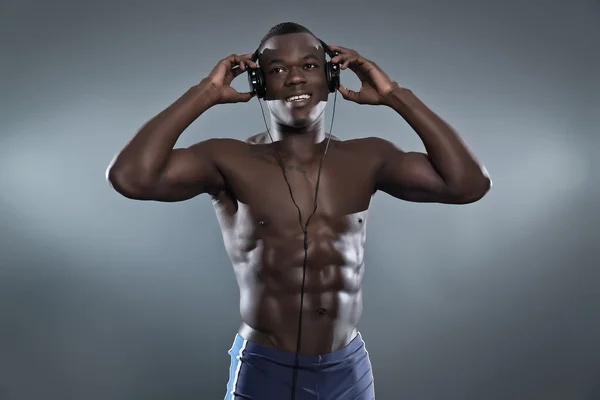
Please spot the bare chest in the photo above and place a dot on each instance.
(336, 198)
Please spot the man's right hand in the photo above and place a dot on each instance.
(223, 74)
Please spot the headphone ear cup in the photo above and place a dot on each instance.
(257, 82)
(332, 72)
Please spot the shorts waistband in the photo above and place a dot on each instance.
(245, 348)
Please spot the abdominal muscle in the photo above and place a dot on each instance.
(270, 278)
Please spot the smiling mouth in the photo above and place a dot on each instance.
(298, 98)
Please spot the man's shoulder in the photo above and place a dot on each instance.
(372, 150)
(218, 146)
(368, 145)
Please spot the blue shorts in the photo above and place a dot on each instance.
(263, 373)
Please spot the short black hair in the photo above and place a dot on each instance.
(284, 28)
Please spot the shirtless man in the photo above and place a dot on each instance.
(262, 229)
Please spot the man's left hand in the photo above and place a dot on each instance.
(376, 85)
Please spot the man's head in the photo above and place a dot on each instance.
(292, 60)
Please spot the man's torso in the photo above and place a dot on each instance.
(265, 241)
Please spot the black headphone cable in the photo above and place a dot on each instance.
(305, 230)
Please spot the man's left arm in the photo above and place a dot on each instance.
(447, 173)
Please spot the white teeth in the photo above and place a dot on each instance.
(298, 98)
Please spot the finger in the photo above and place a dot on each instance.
(229, 61)
(234, 60)
(238, 67)
(341, 55)
(233, 96)
(251, 63)
(343, 50)
(341, 59)
(348, 94)
(239, 64)
(246, 61)
(337, 48)
(337, 58)
(347, 62)
(237, 70)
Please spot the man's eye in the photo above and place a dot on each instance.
(279, 69)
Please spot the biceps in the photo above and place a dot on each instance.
(186, 175)
(411, 177)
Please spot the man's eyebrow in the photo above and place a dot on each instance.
(306, 57)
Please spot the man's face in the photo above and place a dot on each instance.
(293, 64)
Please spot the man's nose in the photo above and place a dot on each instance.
(296, 77)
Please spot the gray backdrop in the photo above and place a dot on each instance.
(102, 297)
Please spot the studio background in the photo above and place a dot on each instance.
(102, 297)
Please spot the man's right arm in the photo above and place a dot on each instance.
(148, 168)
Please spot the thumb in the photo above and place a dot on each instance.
(245, 97)
(348, 94)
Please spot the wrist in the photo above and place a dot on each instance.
(205, 94)
(401, 99)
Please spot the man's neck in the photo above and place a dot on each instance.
(299, 142)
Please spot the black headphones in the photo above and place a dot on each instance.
(257, 82)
